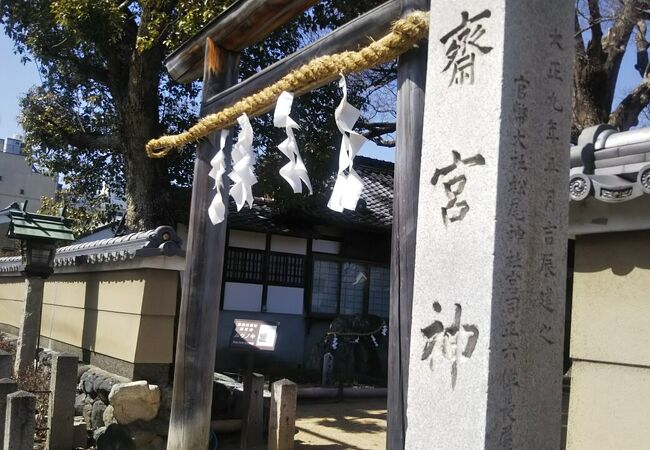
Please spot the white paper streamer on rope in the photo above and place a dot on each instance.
(294, 171)
(347, 188)
(243, 159)
(217, 209)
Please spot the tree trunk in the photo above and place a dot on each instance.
(592, 99)
(597, 65)
(148, 196)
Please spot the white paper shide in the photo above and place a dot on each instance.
(348, 187)
(243, 160)
(217, 209)
(294, 171)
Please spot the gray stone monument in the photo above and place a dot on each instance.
(7, 386)
(63, 387)
(328, 369)
(488, 308)
(5, 365)
(30, 326)
(20, 422)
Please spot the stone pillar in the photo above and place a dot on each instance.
(282, 421)
(20, 423)
(63, 385)
(7, 387)
(30, 327)
(488, 309)
(328, 369)
(252, 433)
(5, 364)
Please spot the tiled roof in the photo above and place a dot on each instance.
(374, 210)
(161, 241)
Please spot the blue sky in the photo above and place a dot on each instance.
(16, 79)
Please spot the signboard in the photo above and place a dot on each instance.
(254, 333)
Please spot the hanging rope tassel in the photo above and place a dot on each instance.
(405, 33)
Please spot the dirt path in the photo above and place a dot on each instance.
(351, 424)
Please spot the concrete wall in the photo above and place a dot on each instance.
(124, 319)
(610, 331)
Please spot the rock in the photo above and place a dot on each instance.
(87, 382)
(135, 400)
(157, 444)
(103, 389)
(79, 402)
(108, 416)
(87, 413)
(45, 357)
(142, 438)
(97, 381)
(81, 370)
(97, 414)
(159, 426)
(98, 432)
(115, 437)
(166, 392)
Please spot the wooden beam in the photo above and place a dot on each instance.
(411, 80)
(244, 23)
(352, 36)
(199, 311)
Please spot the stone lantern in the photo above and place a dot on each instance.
(39, 236)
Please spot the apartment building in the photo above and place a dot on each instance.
(18, 179)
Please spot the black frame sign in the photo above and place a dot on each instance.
(258, 334)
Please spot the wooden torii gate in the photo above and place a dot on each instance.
(245, 23)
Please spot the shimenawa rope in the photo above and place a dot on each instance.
(405, 33)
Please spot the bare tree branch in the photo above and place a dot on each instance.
(376, 130)
(579, 43)
(618, 36)
(602, 20)
(595, 45)
(383, 142)
(641, 49)
(125, 5)
(626, 115)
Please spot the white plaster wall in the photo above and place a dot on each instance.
(287, 244)
(608, 407)
(242, 297)
(247, 239)
(285, 300)
(325, 246)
